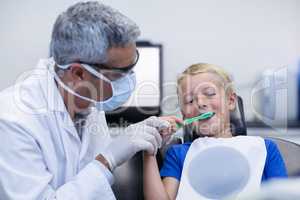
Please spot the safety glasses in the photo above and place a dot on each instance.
(114, 73)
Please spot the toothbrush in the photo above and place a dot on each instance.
(203, 116)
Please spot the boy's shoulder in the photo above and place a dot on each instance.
(270, 144)
(180, 148)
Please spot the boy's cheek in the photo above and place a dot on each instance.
(190, 112)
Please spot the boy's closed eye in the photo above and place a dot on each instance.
(209, 91)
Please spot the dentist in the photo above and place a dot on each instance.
(55, 143)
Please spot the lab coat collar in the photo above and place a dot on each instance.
(50, 91)
(51, 95)
(95, 120)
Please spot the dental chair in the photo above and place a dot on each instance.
(290, 152)
(129, 179)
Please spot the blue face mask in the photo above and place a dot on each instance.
(122, 89)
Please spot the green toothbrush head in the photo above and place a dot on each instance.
(203, 116)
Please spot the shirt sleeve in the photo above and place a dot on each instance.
(24, 174)
(274, 167)
(171, 165)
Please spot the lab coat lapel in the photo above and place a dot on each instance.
(69, 126)
(95, 136)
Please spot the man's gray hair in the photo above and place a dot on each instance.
(87, 30)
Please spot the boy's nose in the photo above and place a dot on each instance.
(201, 103)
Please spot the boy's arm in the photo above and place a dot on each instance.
(154, 187)
(171, 186)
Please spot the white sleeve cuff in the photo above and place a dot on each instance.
(107, 173)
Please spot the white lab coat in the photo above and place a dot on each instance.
(41, 154)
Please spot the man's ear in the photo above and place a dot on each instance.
(232, 100)
(77, 72)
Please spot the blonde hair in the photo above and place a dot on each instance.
(208, 68)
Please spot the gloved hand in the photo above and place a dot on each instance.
(136, 137)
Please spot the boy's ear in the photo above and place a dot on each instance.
(232, 100)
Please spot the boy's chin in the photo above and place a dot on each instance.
(202, 133)
(205, 134)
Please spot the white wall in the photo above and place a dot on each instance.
(245, 37)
